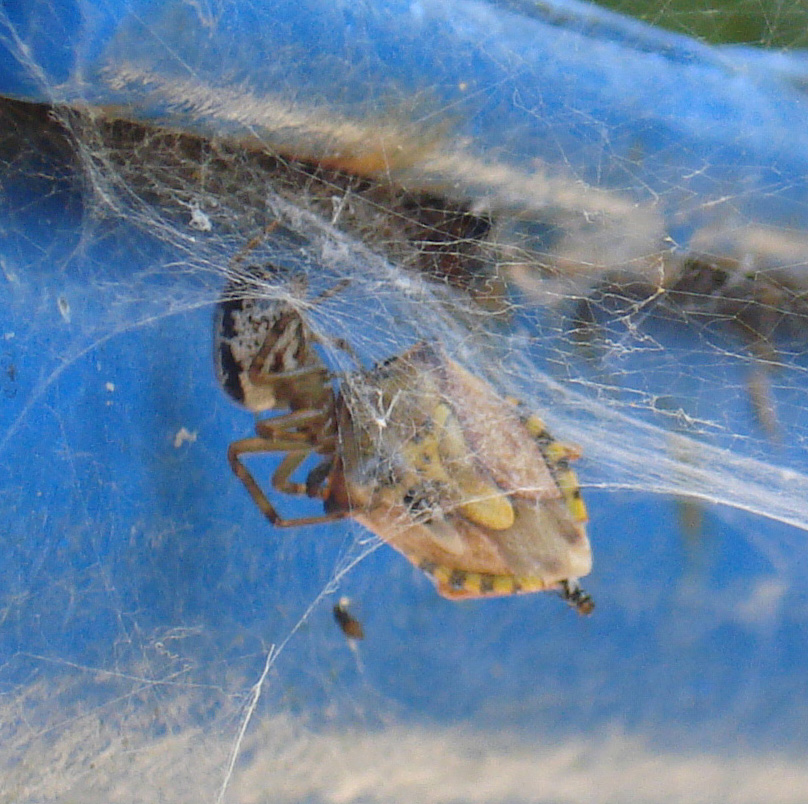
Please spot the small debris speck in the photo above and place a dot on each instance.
(64, 308)
(199, 220)
(182, 436)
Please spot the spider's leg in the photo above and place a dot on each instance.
(254, 242)
(316, 481)
(261, 445)
(290, 462)
(300, 426)
(308, 364)
(332, 291)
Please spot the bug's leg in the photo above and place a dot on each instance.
(759, 388)
(316, 482)
(260, 445)
(312, 375)
(252, 445)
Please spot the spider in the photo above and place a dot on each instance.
(265, 360)
(468, 486)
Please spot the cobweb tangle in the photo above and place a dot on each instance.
(635, 272)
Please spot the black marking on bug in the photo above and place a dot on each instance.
(422, 501)
(417, 501)
(543, 439)
(458, 578)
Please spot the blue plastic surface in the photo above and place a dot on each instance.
(140, 589)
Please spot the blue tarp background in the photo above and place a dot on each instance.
(135, 567)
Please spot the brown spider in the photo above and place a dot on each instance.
(265, 360)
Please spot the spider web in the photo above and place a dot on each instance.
(605, 220)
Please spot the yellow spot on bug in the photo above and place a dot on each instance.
(535, 426)
(424, 458)
(483, 503)
(568, 483)
(458, 584)
(487, 506)
(557, 451)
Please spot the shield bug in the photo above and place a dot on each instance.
(469, 488)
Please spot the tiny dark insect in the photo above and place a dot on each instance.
(350, 626)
